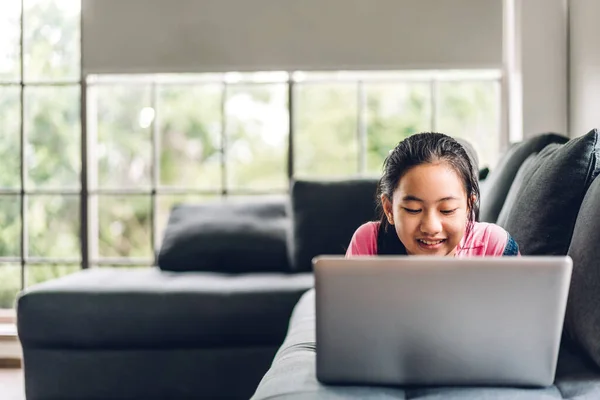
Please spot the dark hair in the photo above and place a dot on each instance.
(423, 148)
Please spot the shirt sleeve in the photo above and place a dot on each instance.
(364, 241)
(511, 248)
(500, 243)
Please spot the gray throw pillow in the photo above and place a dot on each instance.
(232, 236)
(543, 215)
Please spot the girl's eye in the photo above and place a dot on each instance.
(411, 211)
(449, 212)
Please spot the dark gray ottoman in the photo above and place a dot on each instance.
(149, 334)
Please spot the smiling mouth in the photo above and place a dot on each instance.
(430, 242)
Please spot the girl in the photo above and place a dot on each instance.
(429, 201)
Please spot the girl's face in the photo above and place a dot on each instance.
(429, 210)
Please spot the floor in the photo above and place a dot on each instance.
(11, 384)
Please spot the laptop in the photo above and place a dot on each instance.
(420, 320)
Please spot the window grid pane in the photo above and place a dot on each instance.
(393, 112)
(124, 226)
(38, 273)
(10, 52)
(10, 221)
(122, 262)
(326, 130)
(123, 120)
(51, 39)
(470, 110)
(190, 143)
(10, 144)
(256, 136)
(223, 136)
(56, 214)
(10, 279)
(155, 178)
(53, 128)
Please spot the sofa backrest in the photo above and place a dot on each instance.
(542, 214)
(582, 319)
(498, 182)
(325, 215)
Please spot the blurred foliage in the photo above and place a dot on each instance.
(471, 110)
(51, 39)
(256, 136)
(10, 143)
(39, 273)
(53, 226)
(394, 112)
(10, 284)
(124, 226)
(325, 139)
(10, 32)
(190, 125)
(10, 221)
(123, 145)
(210, 135)
(53, 132)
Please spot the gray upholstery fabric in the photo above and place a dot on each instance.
(144, 374)
(543, 217)
(150, 308)
(583, 309)
(292, 375)
(511, 197)
(501, 177)
(233, 236)
(325, 215)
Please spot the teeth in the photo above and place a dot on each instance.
(427, 242)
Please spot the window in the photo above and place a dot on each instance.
(40, 133)
(154, 141)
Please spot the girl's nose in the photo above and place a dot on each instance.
(430, 225)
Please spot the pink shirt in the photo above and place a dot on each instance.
(484, 240)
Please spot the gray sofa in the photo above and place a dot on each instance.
(544, 192)
(212, 320)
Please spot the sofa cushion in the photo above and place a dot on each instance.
(325, 215)
(583, 309)
(499, 180)
(543, 216)
(231, 235)
(112, 308)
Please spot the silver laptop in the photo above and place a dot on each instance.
(440, 321)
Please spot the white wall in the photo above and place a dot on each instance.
(544, 65)
(535, 66)
(143, 36)
(584, 66)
